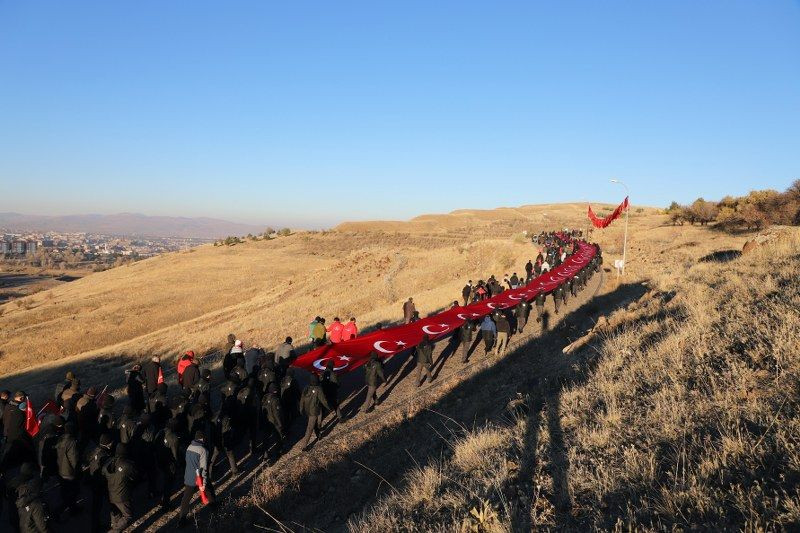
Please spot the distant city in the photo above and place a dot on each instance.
(84, 249)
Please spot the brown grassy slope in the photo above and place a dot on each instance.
(688, 417)
(262, 291)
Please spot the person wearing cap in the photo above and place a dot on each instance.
(29, 506)
(98, 489)
(63, 385)
(120, 473)
(68, 469)
(408, 310)
(374, 376)
(350, 330)
(273, 414)
(153, 374)
(18, 447)
(196, 466)
(128, 426)
(135, 388)
(311, 403)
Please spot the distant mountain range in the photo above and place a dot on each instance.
(132, 224)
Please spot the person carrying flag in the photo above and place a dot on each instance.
(18, 419)
(153, 374)
(196, 471)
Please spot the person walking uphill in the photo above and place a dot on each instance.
(374, 376)
(424, 354)
(196, 466)
(503, 330)
(466, 292)
(311, 404)
(335, 330)
(153, 375)
(121, 476)
(408, 311)
(350, 330)
(488, 332)
(465, 335)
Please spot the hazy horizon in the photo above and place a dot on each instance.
(314, 115)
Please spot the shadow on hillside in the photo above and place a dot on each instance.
(537, 370)
(721, 256)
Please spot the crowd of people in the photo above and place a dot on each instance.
(167, 440)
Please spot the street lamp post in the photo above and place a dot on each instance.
(625, 239)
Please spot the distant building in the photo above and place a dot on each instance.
(5, 247)
(18, 247)
(30, 247)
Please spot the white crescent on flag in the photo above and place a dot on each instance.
(319, 363)
(377, 346)
(427, 329)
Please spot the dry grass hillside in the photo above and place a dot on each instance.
(265, 290)
(681, 412)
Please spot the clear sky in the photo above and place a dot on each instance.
(311, 113)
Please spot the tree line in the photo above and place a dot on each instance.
(267, 235)
(756, 210)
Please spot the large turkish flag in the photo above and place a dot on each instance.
(349, 355)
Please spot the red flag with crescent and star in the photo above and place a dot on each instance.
(601, 223)
(349, 355)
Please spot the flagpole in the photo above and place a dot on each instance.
(625, 238)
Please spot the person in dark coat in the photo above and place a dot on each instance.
(229, 361)
(203, 387)
(539, 301)
(330, 386)
(424, 353)
(169, 458)
(267, 374)
(62, 386)
(191, 377)
(98, 488)
(521, 312)
(45, 443)
(528, 270)
(273, 414)
(153, 375)
(374, 376)
(558, 297)
(466, 291)
(239, 372)
(121, 476)
(128, 426)
(87, 413)
(290, 396)
(68, 459)
(5, 397)
(158, 403)
(311, 404)
(135, 384)
(465, 333)
(29, 506)
(248, 411)
(18, 447)
(225, 437)
(105, 418)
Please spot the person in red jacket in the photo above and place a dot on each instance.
(185, 360)
(335, 331)
(350, 330)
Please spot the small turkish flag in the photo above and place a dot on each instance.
(160, 377)
(200, 485)
(31, 422)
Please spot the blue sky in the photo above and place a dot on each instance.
(311, 113)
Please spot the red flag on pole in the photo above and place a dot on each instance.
(200, 485)
(31, 422)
